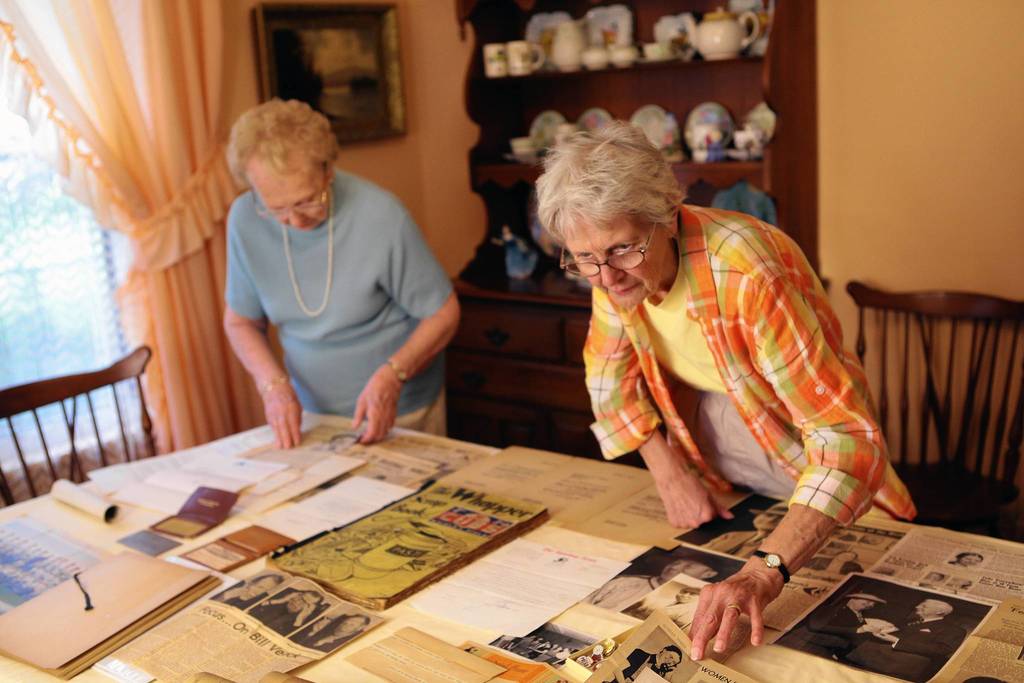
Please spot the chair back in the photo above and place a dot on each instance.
(66, 391)
(947, 369)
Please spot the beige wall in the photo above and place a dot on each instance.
(428, 166)
(921, 145)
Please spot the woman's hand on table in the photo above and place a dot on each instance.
(284, 414)
(721, 604)
(378, 405)
(688, 504)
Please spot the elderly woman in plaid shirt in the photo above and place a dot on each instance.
(727, 307)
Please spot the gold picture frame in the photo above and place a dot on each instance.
(342, 60)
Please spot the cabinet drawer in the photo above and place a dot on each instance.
(511, 330)
(576, 328)
(509, 379)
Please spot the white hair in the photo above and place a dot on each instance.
(274, 131)
(605, 175)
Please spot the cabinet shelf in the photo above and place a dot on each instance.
(641, 66)
(717, 174)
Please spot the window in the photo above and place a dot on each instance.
(59, 272)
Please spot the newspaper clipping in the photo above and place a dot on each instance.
(886, 628)
(659, 651)
(956, 564)
(995, 652)
(850, 549)
(269, 622)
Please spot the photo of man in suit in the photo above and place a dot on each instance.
(838, 631)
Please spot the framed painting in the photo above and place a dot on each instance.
(342, 60)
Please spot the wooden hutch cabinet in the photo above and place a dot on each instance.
(515, 373)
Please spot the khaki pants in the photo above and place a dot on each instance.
(726, 442)
(432, 419)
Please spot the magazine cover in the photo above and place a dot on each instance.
(385, 557)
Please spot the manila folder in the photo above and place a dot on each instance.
(126, 591)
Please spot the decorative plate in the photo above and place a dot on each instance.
(540, 29)
(713, 114)
(661, 128)
(671, 29)
(762, 118)
(593, 119)
(541, 236)
(610, 26)
(543, 128)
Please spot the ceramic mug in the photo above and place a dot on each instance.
(495, 60)
(524, 58)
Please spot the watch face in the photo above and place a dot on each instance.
(772, 560)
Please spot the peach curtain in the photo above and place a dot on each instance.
(124, 101)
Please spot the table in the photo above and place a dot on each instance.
(767, 663)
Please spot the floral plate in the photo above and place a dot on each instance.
(594, 119)
(543, 128)
(709, 113)
(661, 128)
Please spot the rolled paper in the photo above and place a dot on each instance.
(77, 497)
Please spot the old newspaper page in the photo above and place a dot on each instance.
(995, 652)
(958, 564)
(269, 622)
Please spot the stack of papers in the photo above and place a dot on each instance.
(341, 504)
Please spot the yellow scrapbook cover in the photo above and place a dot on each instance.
(385, 557)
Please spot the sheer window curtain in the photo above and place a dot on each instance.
(124, 101)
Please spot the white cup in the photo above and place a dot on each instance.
(623, 55)
(656, 52)
(595, 58)
(524, 58)
(495, 60)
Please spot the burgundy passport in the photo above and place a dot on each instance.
(205, 509)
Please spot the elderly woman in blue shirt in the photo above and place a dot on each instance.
(339, 267)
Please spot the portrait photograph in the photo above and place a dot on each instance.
(887, 628)
(343, 61)
(245, 594)
(656, 567)
(335, 628)
(291, 609)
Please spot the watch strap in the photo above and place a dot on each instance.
(781, 566)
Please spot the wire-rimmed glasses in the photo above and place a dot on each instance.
(620, 260)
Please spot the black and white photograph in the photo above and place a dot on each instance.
(550, 644)
(887, 628)
(343, 61)
(753, 519)
(291, 609)
(656, 567)
(333, 630)
(676, 599)
(245, 594)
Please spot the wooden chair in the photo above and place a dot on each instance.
(947, 369)
(29, 398)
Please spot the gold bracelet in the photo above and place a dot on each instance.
(271, 383)
(402, 375)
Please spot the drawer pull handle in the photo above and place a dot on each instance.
(473, 380)
(497, 336)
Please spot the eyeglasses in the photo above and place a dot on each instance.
(306, 207)
(621, 260)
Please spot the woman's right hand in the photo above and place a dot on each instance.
(284, 414)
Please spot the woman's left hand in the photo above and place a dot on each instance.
(378, 404)
(747, 592)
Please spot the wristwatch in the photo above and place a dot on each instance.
(402, 375)
(773, 561)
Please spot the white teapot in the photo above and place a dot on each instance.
(721, 35)
(568, 45)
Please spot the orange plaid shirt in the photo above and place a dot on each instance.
(778, 347)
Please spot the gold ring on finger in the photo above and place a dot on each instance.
(733, 605)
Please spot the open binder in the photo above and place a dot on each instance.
(129, 594)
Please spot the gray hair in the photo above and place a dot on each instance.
(605, 175)
(275, 130)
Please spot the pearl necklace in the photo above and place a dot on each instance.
(330, 263)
